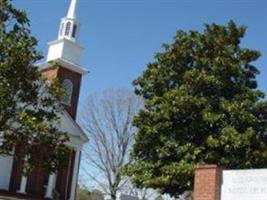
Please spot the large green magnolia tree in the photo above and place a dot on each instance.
(202, 105)
(29, 105)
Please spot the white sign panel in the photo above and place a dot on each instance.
(244, 184)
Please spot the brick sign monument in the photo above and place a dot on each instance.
(215, 183)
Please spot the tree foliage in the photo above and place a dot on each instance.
(29, 104)
(202, 105)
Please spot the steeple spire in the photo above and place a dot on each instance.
(72, 9)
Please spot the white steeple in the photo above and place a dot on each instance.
(72, 10)
(66, 47)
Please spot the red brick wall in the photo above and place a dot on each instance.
(62, 74)
(207, 182)
(16, 170)
(75, 78)
(64, 177)
(37, 179)
(50, 73)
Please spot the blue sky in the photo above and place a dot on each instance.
(121, 36)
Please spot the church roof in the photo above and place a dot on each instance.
(74, 131)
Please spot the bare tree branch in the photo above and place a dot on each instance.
(107, 119)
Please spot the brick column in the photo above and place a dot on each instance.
(207, 183)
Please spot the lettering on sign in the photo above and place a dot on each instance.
(244, 184)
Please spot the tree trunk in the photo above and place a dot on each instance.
(113, 196)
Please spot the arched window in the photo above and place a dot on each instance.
(67, 30)
(61, 29)
(68, 86)
(74, 30)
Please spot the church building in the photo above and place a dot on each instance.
(63, 62)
